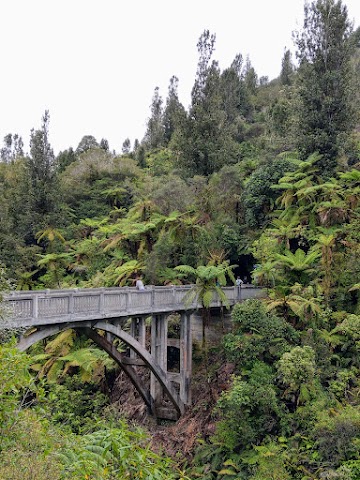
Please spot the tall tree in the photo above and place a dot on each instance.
(205, 143)
(154, 136)
(42, 175)
(326, 110)
(104, 144)
(65, 158)
(287, 69)
(174, 112)
(250, 77)
(126, 146)
(234, 93)
(16, 216)
(13, 148)
(87, 142)
(205, 46)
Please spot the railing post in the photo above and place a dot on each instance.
(35, 305)
(152, 296)
(127, 300)
(71, 303)
(101, 301)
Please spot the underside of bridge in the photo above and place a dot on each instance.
(149, 346)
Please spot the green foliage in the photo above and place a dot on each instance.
(348, 345)
(44, 187)
(12, 149)
(14, 377)
(205, 140)
(114, 453)
(337, 435)
(297, 265)
(296, 370)
(154, 136)
(65, 158)
(5, 283)
(75, 405)
(26, 443)
(297, 301)
(259, 197)
(69, 353)
(341, 385)
(174, 112)
(30, 448)
(208, 282)
(220, 177)
(287, 69)
(257, 335)
(160, 162)
(325, 107)
(248, 411)
(86, 143)
(271, 461)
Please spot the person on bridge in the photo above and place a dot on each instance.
(139, 284)
(238, 283)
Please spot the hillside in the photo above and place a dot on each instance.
(255, 179)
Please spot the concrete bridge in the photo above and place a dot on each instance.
(139, 319)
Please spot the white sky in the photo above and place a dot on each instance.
(94, 64)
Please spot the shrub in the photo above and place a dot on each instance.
(257, 335)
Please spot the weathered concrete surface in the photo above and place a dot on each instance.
(45, 313)
(51, 307)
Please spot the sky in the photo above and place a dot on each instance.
(94, 64)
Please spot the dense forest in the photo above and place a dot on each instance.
(257, 177)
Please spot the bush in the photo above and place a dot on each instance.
(337, 436)
(31, 447)
(14, 377)
(257, 335)
(113, 453)
(74, 404)
(249, 410)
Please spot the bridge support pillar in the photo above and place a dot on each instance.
(185, 358)
(181, 381)
(159, 329)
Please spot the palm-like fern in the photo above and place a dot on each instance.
(67, 351)
(208, 282)
(297, 264)
(114, 453)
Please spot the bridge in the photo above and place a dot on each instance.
(139, 319)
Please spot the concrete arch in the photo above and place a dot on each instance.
(32, 338)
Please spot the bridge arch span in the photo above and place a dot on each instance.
(49, 312)
(90, 328)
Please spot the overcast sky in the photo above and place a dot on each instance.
(94, 64)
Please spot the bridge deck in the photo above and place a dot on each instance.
(46, 307)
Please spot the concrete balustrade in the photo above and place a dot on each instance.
(44, 307)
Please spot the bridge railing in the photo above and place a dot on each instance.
(26, 308)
